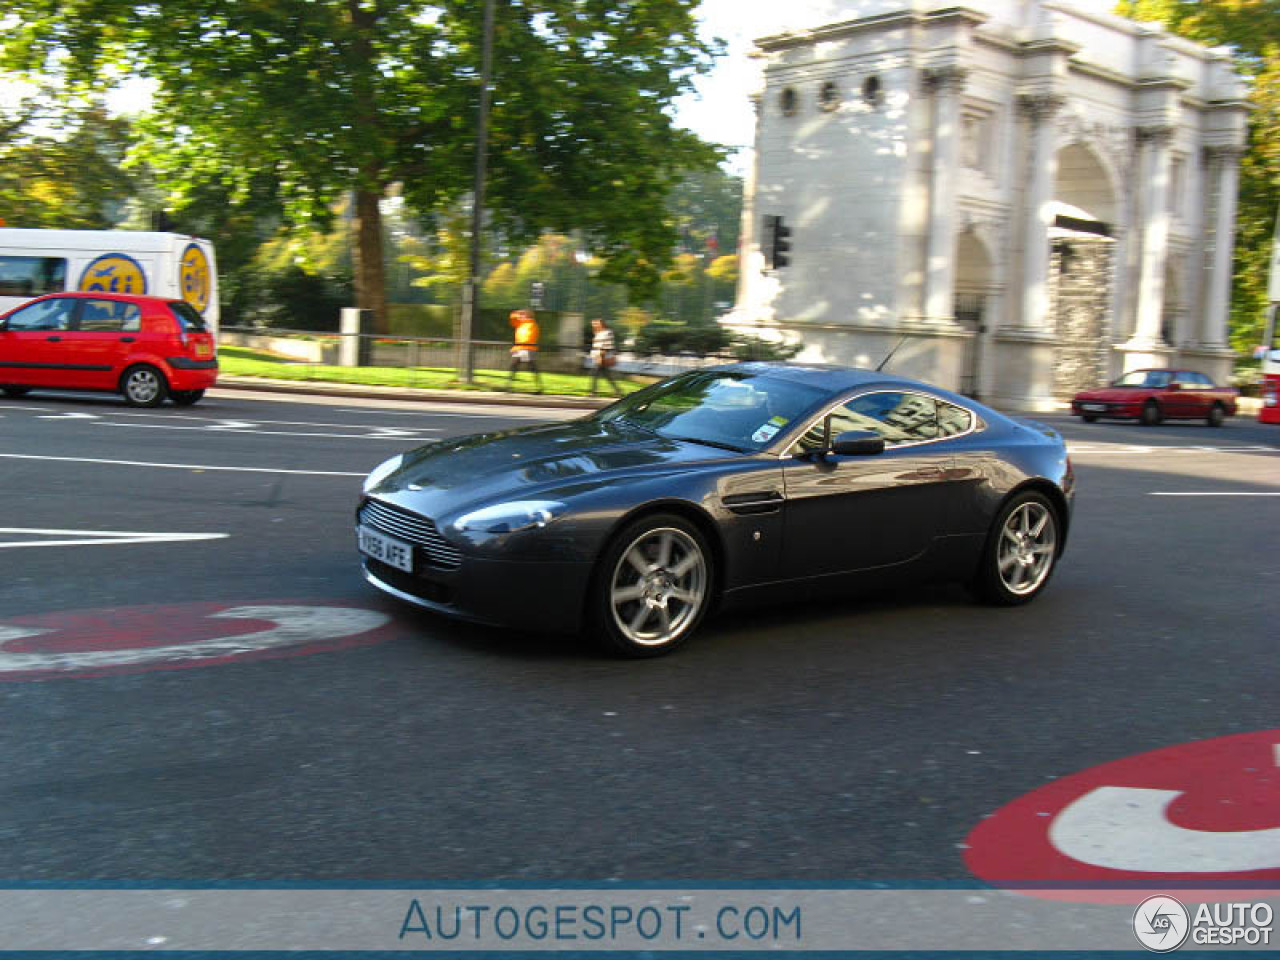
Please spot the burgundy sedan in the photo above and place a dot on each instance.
(1150, 396)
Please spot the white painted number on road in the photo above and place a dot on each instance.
(292, 626)
(1128, 828)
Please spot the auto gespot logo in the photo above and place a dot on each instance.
(193, 277)
(114, 273)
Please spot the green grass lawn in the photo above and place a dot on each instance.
(244, 362)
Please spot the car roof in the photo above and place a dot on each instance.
(138, 298)
(833, 377)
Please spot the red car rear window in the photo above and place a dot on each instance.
(188, 319)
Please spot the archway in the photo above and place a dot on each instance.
(1081, 269)
(972, 304)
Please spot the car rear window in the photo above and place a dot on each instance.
(188, 319)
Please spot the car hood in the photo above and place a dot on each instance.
(531, 461)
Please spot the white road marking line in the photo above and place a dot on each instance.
(224, 421)
(461, 416)
(69, 416)
(98, 537)
(1213, 493)
(184, 466)
(1128, 449)
(267, 433)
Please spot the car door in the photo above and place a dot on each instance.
(1184, 398)
(34, 346)
(103, 339)
(847, 514)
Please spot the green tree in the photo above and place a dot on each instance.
(1252, 29)
(66, 174)
(325, 97)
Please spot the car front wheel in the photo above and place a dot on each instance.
(1151, 414)
(654, 587)
(143, 386)
(1021, 551)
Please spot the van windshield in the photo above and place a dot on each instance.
(188, 319)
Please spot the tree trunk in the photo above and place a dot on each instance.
(370, 277)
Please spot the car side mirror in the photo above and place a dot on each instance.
(858, 443)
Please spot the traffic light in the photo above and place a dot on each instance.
(777, 242)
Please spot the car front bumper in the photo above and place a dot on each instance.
(544, 597)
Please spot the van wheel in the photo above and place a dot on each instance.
(143, 386)
(185, 398)
(16, 391)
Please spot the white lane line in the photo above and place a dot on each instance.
(183, 466)
(89, 537)
(462, 416)
(1214, 493)
(270, 433)
(1134, 449)
(69, 416)
(184, 418)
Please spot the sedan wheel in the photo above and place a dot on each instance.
(143, 386)
(1021, 551)
(654, 589)
(1151, 414)
(16, 391)
(1216, 415)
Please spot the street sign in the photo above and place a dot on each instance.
(537, 291)
(1205, 811)
(133, 639)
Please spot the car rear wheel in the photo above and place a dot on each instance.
(1216, 415)
(186, 398)
(16, 391)
(143, 386)
(1021, 551)
(1151, 414)
(1089, 417)
(654, 587)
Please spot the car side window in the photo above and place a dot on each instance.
(52, 314)
(1202, 380)
(110, 315)
(953, 420)
(899, 417)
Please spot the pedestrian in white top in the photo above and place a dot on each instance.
(604, 354)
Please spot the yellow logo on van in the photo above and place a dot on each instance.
(193, 277)
(114, 273)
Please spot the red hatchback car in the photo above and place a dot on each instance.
(1150, 396)
(144, 348)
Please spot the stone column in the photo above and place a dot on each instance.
(1226, 171)
(946, 84)
(1039, 109)
(1154, 231)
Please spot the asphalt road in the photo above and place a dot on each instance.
(857, 740)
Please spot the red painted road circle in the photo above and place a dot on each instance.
(1201, 812)
(131, 639)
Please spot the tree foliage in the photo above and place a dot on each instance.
(1252, 29)
(296, 102)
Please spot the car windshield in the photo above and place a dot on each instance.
(733, 410)
(1144, 378)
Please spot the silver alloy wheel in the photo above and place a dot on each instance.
(142, 386)
(1027, 548)
(658, 587)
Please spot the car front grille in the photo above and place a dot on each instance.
(411, 528)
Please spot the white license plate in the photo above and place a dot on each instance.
(1094, 407)
(395, 553)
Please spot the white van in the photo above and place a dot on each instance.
(36, 262)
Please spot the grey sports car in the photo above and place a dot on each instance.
(713, 488)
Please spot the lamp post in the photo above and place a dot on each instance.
(471, 291)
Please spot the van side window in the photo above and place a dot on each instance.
(32, 276)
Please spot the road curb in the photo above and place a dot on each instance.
(367, 392)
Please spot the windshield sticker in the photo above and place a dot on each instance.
(769, 430)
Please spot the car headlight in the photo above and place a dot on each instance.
(382, 471)
(510, 517)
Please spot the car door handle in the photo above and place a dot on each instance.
(54, 339)
(128, 339)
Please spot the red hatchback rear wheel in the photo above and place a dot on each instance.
(143, 386)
